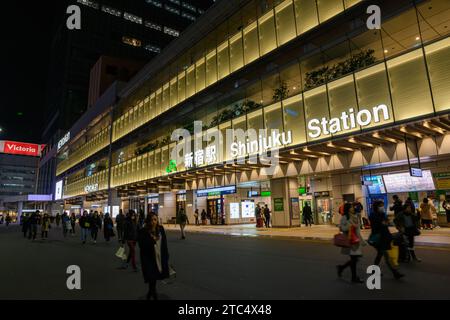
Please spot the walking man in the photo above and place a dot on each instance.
(267, 216)
(182, 219)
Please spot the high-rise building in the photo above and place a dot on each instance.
(126, 33)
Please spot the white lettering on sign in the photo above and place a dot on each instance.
(201, 157)
(91, 188)
(347, 121)
(63, 140)
(13, 147)
(264, 143)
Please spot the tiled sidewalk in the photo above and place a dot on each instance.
(436, 237)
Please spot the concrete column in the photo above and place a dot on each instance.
(284, 189)
(19, 210)
(167, 206)
(190, 205)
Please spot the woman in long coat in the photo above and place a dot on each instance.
(154, 253)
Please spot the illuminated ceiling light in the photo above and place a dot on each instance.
(386, 51)
(417, 38)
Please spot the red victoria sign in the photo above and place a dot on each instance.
(21, 148)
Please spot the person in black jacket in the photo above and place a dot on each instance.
(108, 227)
(96, 224)
(380, 231)
(397, 207)
(307, 215)
(130, 237)
(85, 225)
(34, 220)
(409, 224)
(154, 254)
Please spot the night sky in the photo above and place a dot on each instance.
(27, 29)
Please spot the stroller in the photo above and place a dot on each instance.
(400, 240)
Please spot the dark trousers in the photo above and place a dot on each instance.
(120, 233)
(352, 264)
(73, 228)
(94, 233)
(32, 231)
(132, 254)
(152, 290)
(44, 234)
(308, 221)
(267, 222)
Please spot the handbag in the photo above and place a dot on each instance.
(354, 239)
(341, 240)
(393, 254)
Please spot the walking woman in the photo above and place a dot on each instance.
(350, 226)
(45, 226)
(381, 237)
(96, 224)
(130, 237)
(108, 227)
(73, 221)
(65, 224)
(154, 254)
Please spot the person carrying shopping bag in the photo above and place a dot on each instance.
(350, 227)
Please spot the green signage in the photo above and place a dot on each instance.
(213, 194)
(278, 204)
(266, 193)
(414, 196)
(172, 167)
(301, 190)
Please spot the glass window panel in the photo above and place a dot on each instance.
(372, 90)
(173, 92)
(236, 53)
(329, 8)
(157, 165)
(434, 19)
(284, 17)
(145, 166)
(223, 60)
(158, 102)
(255, 120)
(164, 159)
(141, 114)
(438, 58)
(251, 43)
(139, 172)
(151, 164)
(190, 81)
(294, 118)
(128, 178)
(273, 118)
(181, 87)
(147, 109)
(133, 170)
(409, 86)
(290, 76)
(200, 75)
(211, 68)
(400, 33)
(342, 98)
(316, 107)
(267, 37)
(224, 154)
(305, 15)
(152, 106)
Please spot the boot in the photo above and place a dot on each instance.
(414, 257)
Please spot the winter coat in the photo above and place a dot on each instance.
(182, 217)
(355, 249)
(146, 243)
(426, 211)
(130, 230)
(95, 222)
(84, 222)
(382, 230)
(108, 227)
(45, 224)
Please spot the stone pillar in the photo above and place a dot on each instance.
(167, 206)
(283, 190)
(190, 205)
(19, 210)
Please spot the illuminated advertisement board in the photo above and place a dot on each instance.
(59, 190)
(20, 148)
(248, 209)
(404, 182)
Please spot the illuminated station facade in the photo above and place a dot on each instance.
(293, 102)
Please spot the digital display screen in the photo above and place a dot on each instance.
(374, 184)
(404, 182)
(248, 209)
(59, 190)
(234, 210)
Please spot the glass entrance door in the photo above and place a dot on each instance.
(323, 212)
